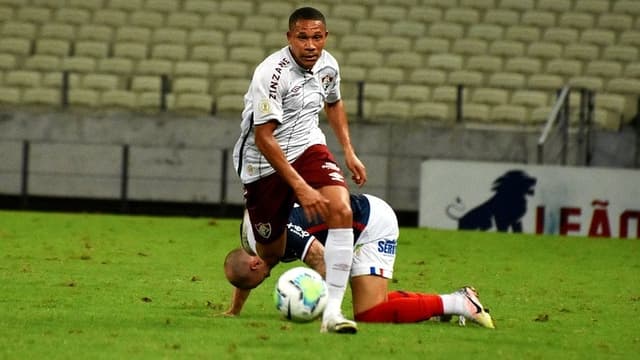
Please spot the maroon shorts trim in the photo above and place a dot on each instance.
(269, 200)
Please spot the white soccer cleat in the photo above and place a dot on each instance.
(473, 309)
(338, 324)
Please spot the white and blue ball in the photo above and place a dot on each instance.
(301, 294)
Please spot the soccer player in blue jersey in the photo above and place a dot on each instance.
(376, 238)
(281, 155)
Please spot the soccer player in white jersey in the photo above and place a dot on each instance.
(376, 238)
(282, 157)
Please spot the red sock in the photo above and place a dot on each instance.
(403, 307)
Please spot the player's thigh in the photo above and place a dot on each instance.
(269, 202)
(340, 214)
(368, 291)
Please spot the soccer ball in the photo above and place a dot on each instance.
(301, 294)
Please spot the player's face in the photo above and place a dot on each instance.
(306, 40)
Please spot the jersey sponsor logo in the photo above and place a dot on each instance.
(336, 176)
(264, 229)
(387, 246)
(297, 230)
(275, 78)
(330, 166)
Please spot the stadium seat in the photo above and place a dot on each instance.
(447, 62)
(630, 37)
(592, 6)
(15, 46)
(260, 23)
(558, 6)
(147, 19)
(355, 42)
(173, 52)
(524, 65)
(79, 64)
(387, 75)
(502, 17)
(411, 92)
(467, 78)
(475, 112)
(632, 70)
(95, 32)
(425, 14)
(604, 68)
(530, 98)
(110, 17)
(6, 13)
(133, 51)
(22, 78)
(372, 27)
(205, 37)
(622, 53)
(155, 67)
(57, 47)
(599, 37)
(479, 4)
(235, 86)
(163, 6)
(490, 96)
(249, 55)
(192, 68)
(429, 110)
(19, 29)
(627, 7)
(90, 5)
(506, 80)
(218, 21)
(10, 95)
(594, 83)
(366, 59)
(184, 20)
(127, 5)
(57, 31)
(201, 7)
(34, 14)
(133, 34)
(488, 32)
(484, 63)
(101, 82)
(507, 48)
(465, 16)
(446, 93)
(615, 22)
(376, 91)
(169, 35)
(229, 69)
(611, 102)
(623, 86)
(337, 27)
(428, 76)
(274, 8)
(145, 83)
(412, 29)
(577, 20)
(83, 97)
(7, 62)
(118, 98)
(562, 35)
(42, 63)
(390, 44)
(94, 49)
(353, 12)
(352, 74)
(524, 33)
(564, 67)
(446, 30)
(544, 50)
(405, 60)
(190, 85)
(236, 7)
(469, 46)
(75, 16)
(509, 114)
(116, 65)
(42, 96)
(545, 82)
(444, 4)
(518, 5)
(229, 104)
(388, 12)
(193, 103)
(428, 45)
(390, 109)
(55, 79)
(540, 18)
(584, 52)
(210, 53)
(244, 38)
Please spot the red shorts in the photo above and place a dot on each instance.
(269, 200)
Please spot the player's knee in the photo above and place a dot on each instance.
(340, 215)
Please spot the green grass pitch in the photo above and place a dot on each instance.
(114, 287)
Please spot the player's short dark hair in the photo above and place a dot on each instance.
(305, 13)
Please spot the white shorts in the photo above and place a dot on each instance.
(375, 250)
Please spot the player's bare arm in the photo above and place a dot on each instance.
(314, 204)
(337, 117)
(238, 299)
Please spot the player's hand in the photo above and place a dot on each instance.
(357, 168)
(314, 204)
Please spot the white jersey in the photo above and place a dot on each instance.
(283, 91)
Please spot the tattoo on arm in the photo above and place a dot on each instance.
(315, 257)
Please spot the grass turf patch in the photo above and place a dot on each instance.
(109, 286)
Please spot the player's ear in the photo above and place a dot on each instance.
(254, 263)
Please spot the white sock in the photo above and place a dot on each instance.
(452, 304)
(338, 255)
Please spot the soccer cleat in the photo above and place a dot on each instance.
(339, 325)
(473, 310)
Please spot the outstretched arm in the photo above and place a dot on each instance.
(238, 299)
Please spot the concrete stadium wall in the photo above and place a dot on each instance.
(181, 158)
